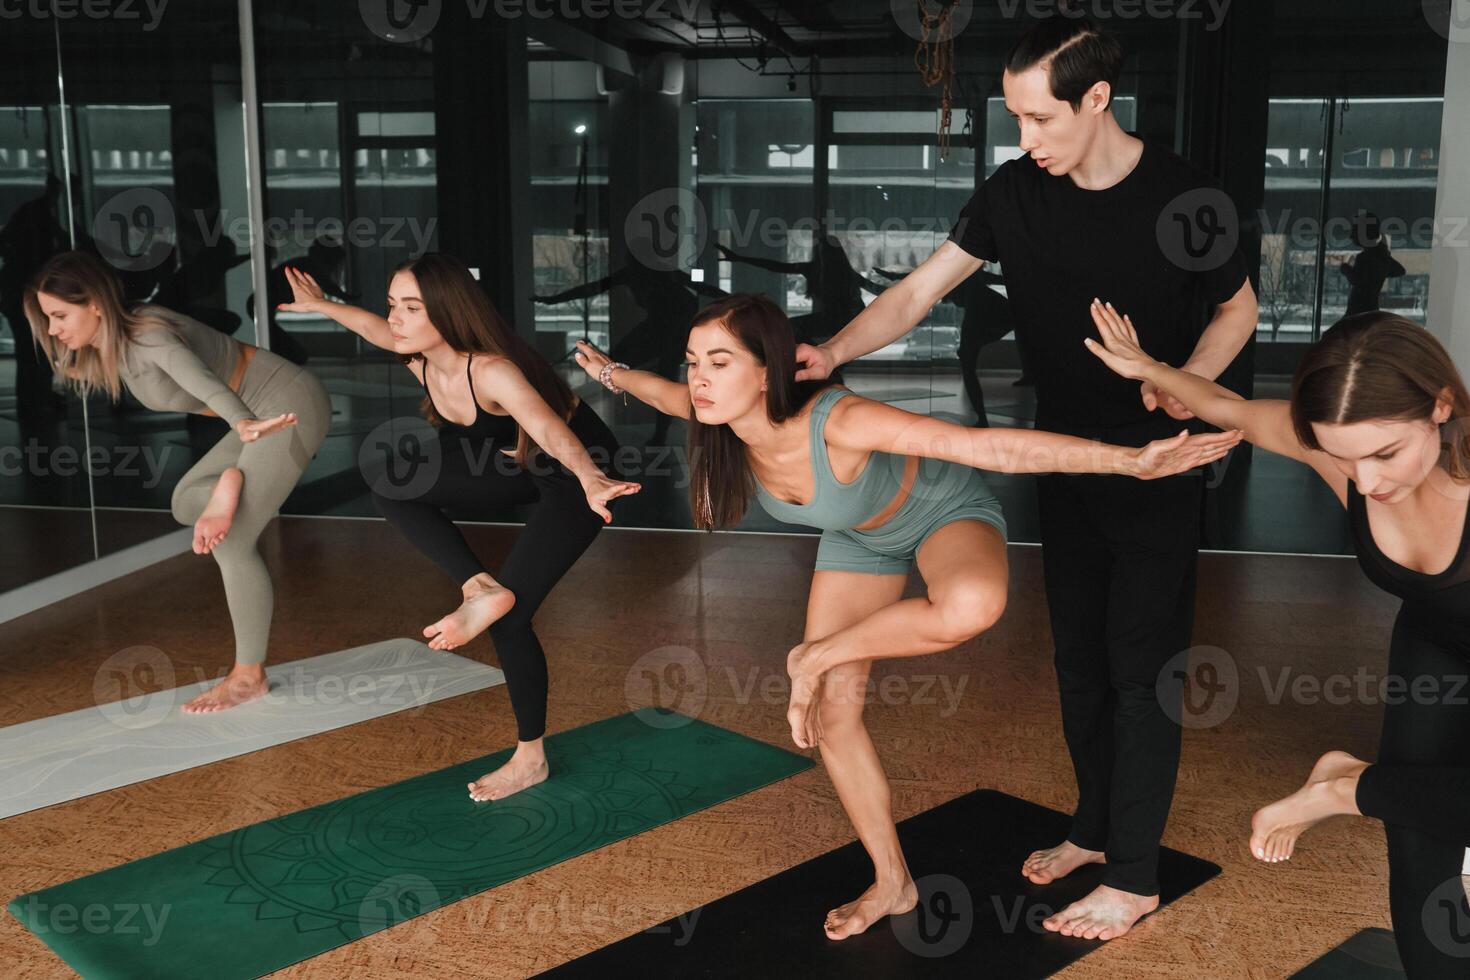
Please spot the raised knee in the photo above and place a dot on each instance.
(967, 609)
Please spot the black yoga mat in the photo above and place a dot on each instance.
(977, 917)
(1367, 955)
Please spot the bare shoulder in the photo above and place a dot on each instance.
(497, 381)
(496, 368)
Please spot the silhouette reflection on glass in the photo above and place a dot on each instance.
(669, 301)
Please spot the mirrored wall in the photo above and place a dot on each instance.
(813, 164)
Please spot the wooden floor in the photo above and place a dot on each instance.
(737, 601)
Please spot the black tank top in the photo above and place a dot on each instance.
(1438, 604)
(487, 427)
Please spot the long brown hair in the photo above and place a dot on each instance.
(1379, 366)
(720, 478)
(470, 324)
(82, 279)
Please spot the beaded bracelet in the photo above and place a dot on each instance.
(605, 376)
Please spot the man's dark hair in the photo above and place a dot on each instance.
(1081, 55)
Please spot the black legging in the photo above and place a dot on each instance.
(476, 479)
(1420, 789)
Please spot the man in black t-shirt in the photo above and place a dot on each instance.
(1095, 212)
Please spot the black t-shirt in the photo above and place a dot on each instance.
(1138, 244)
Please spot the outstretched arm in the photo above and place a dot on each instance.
(895, 312)
(863, 424)
(548, 430)
(669, 397)
(308, 297)
(1265, 422)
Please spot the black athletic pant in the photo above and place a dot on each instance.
(1119, 558)
(1420, 789)
(476, 480)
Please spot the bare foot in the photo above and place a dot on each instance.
(1050, 863)
(525, 769)
(1105, 913)
(869, 907)
(485, 601)
(243, 683)
(806, 683)
(1331, 790)
(219, 513)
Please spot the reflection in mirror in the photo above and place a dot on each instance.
(155, 120)
(45, 505)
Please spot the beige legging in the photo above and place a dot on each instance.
(272, 465)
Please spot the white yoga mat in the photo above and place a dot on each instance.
(65, 757)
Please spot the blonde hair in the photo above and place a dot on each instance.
(82, 279)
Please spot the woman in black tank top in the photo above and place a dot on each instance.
(1380, 413)
(546, 452)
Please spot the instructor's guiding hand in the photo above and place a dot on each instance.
(1120, 351)
(590, 359)
(1166, 457)
(252, 429)
(814, 363)
(601, 490)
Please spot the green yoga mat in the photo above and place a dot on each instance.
(281, 891)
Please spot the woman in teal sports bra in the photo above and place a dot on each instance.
(889, 489)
